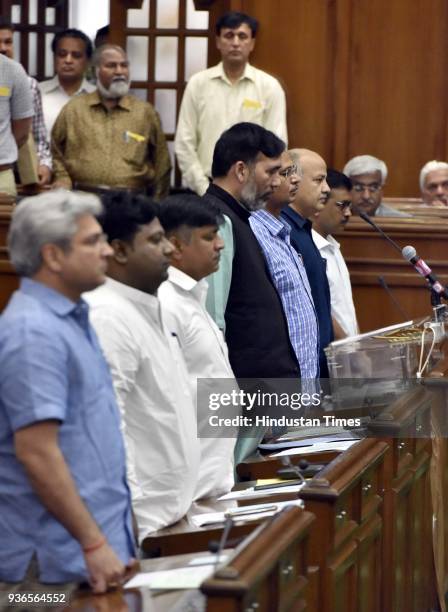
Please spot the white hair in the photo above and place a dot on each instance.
(430, 166)
(365, 164)
(50, 217)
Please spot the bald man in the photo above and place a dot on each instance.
(310, 198)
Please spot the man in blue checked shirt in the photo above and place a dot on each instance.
(288, 271)
(311, 197)
(65, 512)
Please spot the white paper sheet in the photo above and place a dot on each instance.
(318, 447)
(259, 511)
(174, 579)
(207, 560)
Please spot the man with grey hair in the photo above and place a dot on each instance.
(65, 513)
(109, 138)
(368, 175)
(434, 183)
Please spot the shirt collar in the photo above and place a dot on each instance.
(197, 288)
(54, 84)
(296, 218)
(94, 99)
(275, 225)
(232, 202)
(217, 72)
(322, 243)
(57, 302)
(134, 295)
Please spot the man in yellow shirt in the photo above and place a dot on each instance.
(109, 138)
(221, 96)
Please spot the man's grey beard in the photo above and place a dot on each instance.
(249, 197)
(117, 89)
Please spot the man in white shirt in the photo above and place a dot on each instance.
(221, 96)
(334, 217)
(72, 51)
(192, 229)
(148, 371)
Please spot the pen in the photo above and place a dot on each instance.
(277, 485)
(247, 511)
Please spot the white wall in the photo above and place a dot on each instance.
(88, 15)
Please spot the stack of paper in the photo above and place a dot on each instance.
(243, 514)
(338, 445)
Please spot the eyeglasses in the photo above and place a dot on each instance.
(373, 187)
(344, 205)
(287, 172)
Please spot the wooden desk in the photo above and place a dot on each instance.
(345, 542)
(184, 537)
(267, 572)
(138, 600)
(416, 207)
(8, 278)
(372, 539)
(368, 256)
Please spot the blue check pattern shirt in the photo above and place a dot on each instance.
(289, 277)
(52, 367)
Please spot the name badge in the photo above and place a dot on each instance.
(5, 91)
(247, 103)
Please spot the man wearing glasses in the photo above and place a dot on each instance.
(333, 218)
(368, 175)
(287, 269)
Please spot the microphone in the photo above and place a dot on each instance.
(368, 220)
(291, 471)
(385, 286)
(223, 541)
(410, 254)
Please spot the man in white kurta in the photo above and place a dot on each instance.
(221, 96)
(332, 218)
(193, 230)
(148, 372)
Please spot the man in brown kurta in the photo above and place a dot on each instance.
(110, 138)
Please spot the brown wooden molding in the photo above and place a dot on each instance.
(132, 4)
(200, 5)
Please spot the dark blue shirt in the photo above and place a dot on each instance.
(51, 367)
(316, 269)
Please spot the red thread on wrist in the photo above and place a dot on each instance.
(96, 546)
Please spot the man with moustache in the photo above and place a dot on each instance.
(109, 138)
(311, 196)
(72, 52)
(65, 508)
(223, 95)
(434, 183)
(192, 228)
(368, 175)
(148, 371)
(245, 169)
(332, 218)
(287, 269)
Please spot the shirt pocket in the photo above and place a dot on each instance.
(135, 149)
(252, 110)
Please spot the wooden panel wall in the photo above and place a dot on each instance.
(361, 77)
